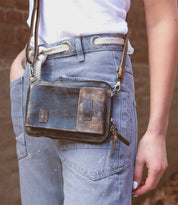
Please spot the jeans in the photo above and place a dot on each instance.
(54, 172)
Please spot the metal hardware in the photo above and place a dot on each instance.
(116, 135)
(31, 71)
(69, 45)
(92, 41)
(117, 87)
(113, 134)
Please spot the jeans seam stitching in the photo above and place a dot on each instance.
(23, 120)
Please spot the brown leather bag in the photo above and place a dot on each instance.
(79, 111)
(70, 110)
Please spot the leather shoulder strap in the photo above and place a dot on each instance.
(123, 59)
(35, 14)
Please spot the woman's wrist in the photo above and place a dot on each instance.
(158, 126)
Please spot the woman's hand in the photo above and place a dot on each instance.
(18, 66)
(152, 154)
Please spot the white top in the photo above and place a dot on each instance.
(70, 18)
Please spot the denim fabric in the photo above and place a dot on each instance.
(54, 172)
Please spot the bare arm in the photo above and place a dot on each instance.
(162, 31)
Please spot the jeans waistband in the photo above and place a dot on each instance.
(80, 45)
(84, 44)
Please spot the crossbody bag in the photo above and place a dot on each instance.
(78, 111)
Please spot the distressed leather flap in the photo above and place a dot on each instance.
(91, 110)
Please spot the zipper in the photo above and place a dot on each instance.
(116, 135)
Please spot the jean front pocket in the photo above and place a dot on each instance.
(17, 115)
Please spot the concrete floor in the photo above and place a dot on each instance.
(9, 188)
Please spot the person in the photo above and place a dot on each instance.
(54, 172)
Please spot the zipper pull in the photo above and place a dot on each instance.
(114, 143)
(113, 131)
(116, 135)
(125, 141)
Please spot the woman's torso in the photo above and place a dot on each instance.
(70, 18)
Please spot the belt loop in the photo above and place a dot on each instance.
(79, 50)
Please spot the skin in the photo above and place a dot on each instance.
(18, 66)
(162, 31)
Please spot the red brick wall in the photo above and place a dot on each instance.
(14, 30)
(137, 32)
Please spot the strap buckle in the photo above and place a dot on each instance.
(117, 87)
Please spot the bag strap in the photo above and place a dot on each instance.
(36, 13)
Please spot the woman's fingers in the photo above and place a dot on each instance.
(150, 182)
(139, 166)
(152, 155)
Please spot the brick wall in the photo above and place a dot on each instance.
(137, 32)
(14, 30)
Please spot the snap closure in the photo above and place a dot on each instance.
(69, 47)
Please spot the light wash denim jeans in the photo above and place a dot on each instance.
(53, 172)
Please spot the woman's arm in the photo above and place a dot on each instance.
(162, 32)
(17, 67)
